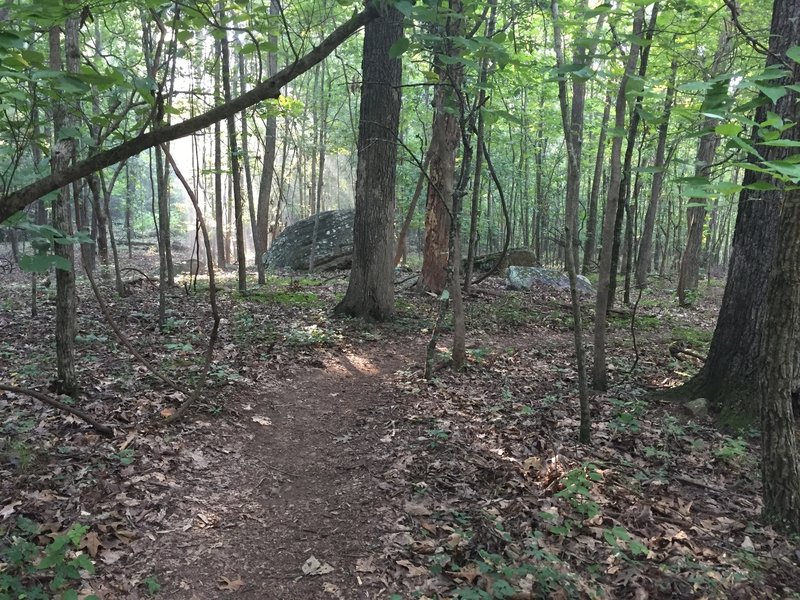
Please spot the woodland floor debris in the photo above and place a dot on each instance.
(321, 464)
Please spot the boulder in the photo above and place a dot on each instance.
(520, 257)
(698, 408)
(334, 246)
(526, 278)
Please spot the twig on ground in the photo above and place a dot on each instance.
(97, 426)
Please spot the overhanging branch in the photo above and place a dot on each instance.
(270, 88)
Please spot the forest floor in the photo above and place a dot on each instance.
(319, 464)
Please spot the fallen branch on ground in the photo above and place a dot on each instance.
(97, 426)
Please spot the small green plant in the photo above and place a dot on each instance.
(437, 436)
(732, 451)
(151, 585)
(37, 571)
(577, 489)
(623, 542)
(179, 347)
(625, 416)
(479, 354)
(89, 338)
(123, 457)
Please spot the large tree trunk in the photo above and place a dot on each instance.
(62, 154)
(729, 376)
(370, 290)
(780, 466)
(441, 176)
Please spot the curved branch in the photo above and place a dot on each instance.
(270, 88)
(44, 398)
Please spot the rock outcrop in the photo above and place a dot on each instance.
(520, 257)
(333, 248)
(527, 278)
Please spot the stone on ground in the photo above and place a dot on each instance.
(528, 278)
(333, 248)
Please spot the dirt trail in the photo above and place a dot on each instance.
(296, 475)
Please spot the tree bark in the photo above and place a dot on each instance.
(599, 374)
(590, 246)
(261, 241)
(441, 174)
(63, 152)
(370, 290)
(729, 376)
(780, 465)
(696, 218)
(659, 164)
(236, 170)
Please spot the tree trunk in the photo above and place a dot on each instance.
(729, 376)
(696, 218)
(218, 199)
(590, 246)
(63, 152)
(472, 246)
(261, 242)
(572, 123)
(599, 374)
(441, 177)
(625, 186)
(780, 466)
(659, 164)
(370, 290)
(236, 171)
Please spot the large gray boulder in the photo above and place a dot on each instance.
(333, 249)
(521, 257)
(527, 278)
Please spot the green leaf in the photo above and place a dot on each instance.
(774, 93)
(445, 295)
(39, 263)
(404, 7)
(761, 186)
(728, 129)
(794, 53)
(782, 143)
(399, 47)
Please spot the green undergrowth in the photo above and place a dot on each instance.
(37, 565)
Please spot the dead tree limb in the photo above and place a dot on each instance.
(44, 398)
(212, 292)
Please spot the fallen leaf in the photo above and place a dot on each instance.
(364, 565)
(416, 510)
(111, 557)
(313, 567)
(230, 585)
(329, 588)
(747, 544)
(167, 412)
(8, 509)
(91, 542)
(262, 420)
(413, 570)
